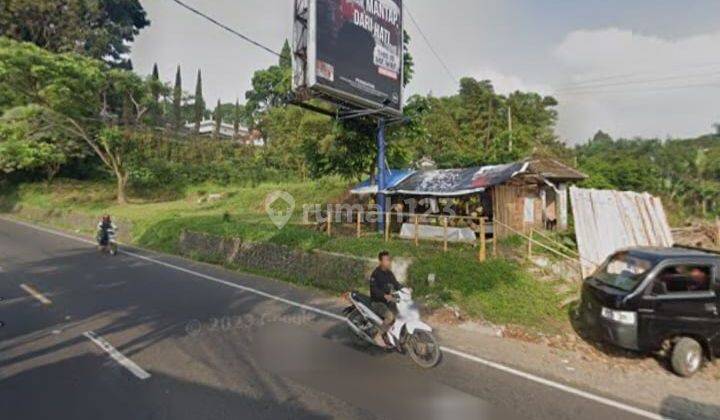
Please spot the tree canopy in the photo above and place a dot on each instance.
(78, 97)
(101, 29)
(686, 171)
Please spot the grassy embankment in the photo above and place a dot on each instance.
(499, 291)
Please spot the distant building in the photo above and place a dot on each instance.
(227, 132)
(207, 128)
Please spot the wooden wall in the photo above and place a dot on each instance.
(509, 208)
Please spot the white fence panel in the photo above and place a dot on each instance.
(607, 221)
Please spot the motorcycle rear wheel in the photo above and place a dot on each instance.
(423, 349)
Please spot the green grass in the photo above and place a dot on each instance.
(499, 291)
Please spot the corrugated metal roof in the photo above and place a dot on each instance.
(555, 170)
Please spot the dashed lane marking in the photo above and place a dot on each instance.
(128, 364)
(37, 295)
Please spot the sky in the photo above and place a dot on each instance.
(648, 68)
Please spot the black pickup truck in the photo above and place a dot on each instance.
(658, 300)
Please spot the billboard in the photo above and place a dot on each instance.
(354, 52)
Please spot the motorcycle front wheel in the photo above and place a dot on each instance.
(423, 348)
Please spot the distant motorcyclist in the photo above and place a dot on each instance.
(104, 229)
(382, 284)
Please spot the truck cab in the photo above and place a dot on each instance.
(653, 299)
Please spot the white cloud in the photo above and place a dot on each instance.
(638, 85)
(508, 83)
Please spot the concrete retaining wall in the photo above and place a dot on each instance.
(329, 271)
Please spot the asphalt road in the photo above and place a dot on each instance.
(142, 336)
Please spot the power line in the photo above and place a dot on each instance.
(590, 82)
(648, 89)
(711, 77)
(227, 28)
(429, 44)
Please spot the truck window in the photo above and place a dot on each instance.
(686, 278)
(623, 271)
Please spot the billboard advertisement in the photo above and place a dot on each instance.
(355, 52)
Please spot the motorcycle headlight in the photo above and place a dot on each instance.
(621, 317)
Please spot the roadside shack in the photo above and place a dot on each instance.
(532, 193)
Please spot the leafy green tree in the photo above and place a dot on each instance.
(601, 137)
(231, 111)
(101, 29)
(716, 126)
(199, 105)
(79, 97)
(270, 87)
(29, 146)
(16, 153)
(284, 130)
(471, 128)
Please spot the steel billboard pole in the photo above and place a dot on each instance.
(381, 174)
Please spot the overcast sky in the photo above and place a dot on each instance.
(629, 67)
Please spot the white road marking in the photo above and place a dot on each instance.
(570, 390)
(507, 369)
(136, 370)
(37, 295)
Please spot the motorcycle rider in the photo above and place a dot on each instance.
(103, 227)
(382, 284)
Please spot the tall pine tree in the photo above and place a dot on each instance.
(218, 119)
(286, 56)
(156, 110)
(236, 119)
(199, 103)
(177, 101)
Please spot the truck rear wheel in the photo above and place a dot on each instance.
(687, 357)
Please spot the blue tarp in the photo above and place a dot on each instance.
(392, 178)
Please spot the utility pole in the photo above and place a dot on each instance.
(382, 206)
(510, 126)
(490, 124)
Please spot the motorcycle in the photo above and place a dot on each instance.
(407, 335)
(107, 242)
